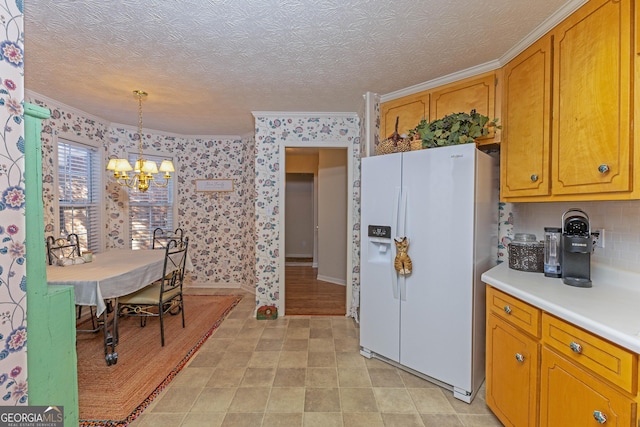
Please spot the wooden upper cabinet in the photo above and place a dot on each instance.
(475, 93)
(592, 104)
(409, 110)
(526, 121)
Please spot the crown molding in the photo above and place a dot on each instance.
(235, 138)
(450, 78)
(303, 114)
(542, 29)
(115, 126)
(31, 95)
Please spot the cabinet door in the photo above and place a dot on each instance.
(569, 396)
(476, 93)
(526, 121)
(512, 374)
(409, 110)
(592, 100)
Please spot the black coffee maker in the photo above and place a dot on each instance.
(576, 248)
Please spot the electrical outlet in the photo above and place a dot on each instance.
(598, 237)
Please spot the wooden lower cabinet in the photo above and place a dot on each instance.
(560, 376)
(512, 373)
(571, 396)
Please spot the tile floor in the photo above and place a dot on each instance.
(301, 371)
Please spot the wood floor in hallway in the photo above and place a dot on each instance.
(306, 295)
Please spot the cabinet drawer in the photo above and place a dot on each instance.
(514, 311)
(599, 355)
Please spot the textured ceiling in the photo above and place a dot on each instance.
(208, 63)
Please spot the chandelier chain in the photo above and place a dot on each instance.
(140, 94)
(144, 170)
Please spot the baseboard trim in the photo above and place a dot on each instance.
(333, 280)
(248, 288)
(299, 255)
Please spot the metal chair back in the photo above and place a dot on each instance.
(163, 296)
(61, 248)
(175, 260)
(162, 237)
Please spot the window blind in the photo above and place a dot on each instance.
(79, 192)
(151, 209)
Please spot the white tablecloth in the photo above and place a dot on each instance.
(112, 274)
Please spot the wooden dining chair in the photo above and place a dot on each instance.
(163, 296)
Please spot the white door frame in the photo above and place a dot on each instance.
(282, 181)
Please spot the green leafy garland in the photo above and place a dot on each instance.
(452, 129)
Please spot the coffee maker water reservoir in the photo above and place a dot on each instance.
(552, 251)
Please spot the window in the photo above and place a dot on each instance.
(149, 210)
(79, 192)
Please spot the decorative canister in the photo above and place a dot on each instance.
(526, 253)
(88, 256)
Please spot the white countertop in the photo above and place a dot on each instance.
(610, 308)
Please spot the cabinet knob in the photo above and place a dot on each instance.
(600, 417)
(519, 357)
(534, 177)
(603, 168)
(575, 347)
(507, 309)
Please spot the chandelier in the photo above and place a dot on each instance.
(144, 170)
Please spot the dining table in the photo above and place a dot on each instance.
(99, 283)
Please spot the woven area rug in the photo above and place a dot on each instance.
(113, 396)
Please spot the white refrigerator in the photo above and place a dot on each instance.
(432, 321)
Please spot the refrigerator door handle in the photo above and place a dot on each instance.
(394, 224)
(403, 214)
(394, 280)
(403, 288)
(402, 285)
(394, 216)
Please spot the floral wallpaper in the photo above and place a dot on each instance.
(354, 310)
(273, 132)
(505, 230)
(64, 123)
(219, 225)
(13, 304)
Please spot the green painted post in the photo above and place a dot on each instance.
(51, 330)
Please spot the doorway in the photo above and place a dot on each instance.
(300, 228)
(315, 228)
